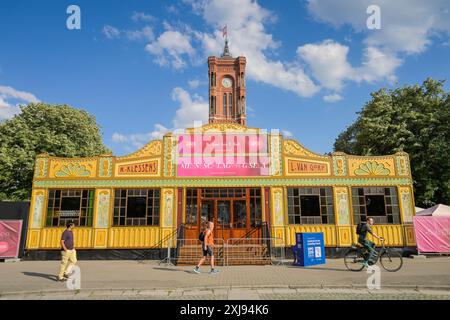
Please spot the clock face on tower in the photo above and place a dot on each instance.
(227, 82)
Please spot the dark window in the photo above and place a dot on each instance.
(71, 203)
(380, 203)
(255, 207)
(68, 205)
(136, 207)
(310, 205)
(191, 206)
(224, 104)
(375, 205)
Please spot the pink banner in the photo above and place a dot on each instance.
(220, 154)
(10, 231)
(432, 234)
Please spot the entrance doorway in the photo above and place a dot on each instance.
(236, 212)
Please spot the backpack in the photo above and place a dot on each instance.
(201, 236)
(359, 228)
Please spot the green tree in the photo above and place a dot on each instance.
(58, 130)
(414, 119)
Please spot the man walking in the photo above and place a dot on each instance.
(68, 253)
(207, 248)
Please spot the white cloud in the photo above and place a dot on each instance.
(142, 16)
(246, 22)
(172, 9)
(406, 25)
(332, 98)
(329, 65)
(117, 137)
(377, 65)
(7, 111)
(145, 33)
(171, 48)
(287, 134)
(328, 62)
(191, 109)
(111, 32)
(16, 94)
(138, 140)
(10, 99)
(193, 84)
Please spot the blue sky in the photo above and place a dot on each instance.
(140, 66)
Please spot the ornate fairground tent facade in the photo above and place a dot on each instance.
(251, 182)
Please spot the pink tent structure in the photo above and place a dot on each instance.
(432, 229)
(440, 210)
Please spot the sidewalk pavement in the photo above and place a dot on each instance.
(119, 279)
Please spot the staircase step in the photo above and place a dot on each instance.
(236, 254)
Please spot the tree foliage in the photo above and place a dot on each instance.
(414, 119)
(58, 130)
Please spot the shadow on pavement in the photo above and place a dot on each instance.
(318, 268)
(168, 269)
(41, 275)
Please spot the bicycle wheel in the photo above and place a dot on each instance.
(353, 260)
(391, 260)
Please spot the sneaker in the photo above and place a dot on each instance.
(196, 270)
(62, 279)
(214, 271)
(67, 275)
(365, 264)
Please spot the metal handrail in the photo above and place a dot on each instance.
(259, 240)
(217, 241)
(159, 244)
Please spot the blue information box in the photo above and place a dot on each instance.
(309, 249)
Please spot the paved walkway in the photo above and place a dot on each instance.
(419, 278)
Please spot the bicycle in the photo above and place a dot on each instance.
(390, 260)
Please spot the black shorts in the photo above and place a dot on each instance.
(208, 251)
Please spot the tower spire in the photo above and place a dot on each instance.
(226, 50)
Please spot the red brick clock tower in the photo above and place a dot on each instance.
(227, 88)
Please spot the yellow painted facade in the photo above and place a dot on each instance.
(154, 166)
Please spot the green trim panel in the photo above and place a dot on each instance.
(237, 182)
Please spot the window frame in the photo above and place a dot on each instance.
(85, 218)
(326, 205)
(391, 200)
(120, 208)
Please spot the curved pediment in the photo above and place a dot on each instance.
(224, 127)
(294, 148)
(151, 149)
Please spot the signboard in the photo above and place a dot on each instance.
(432, 234)
(67, 213)
(222, 154)
(10, 231)
(148, 168)
(139, 168)
(310, 249)
(305, 167)
(295, 166)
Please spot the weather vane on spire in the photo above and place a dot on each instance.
(226, 51)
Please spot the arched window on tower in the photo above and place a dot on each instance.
(224, 104)
(231, 104)
(213, 105)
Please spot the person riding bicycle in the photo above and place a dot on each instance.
(365, 228)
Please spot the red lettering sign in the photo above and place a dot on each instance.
(295, 166)
(139, 168)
